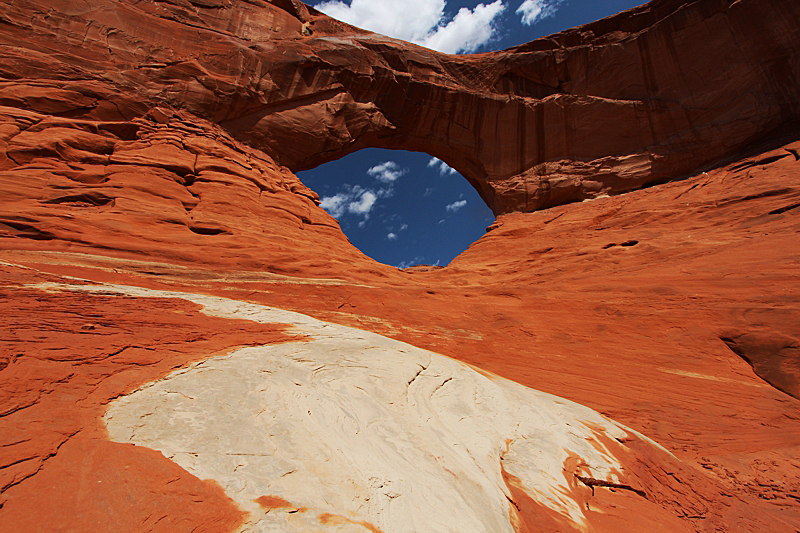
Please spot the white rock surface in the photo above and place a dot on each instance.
(358, 431)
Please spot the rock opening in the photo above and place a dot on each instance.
(401, 208)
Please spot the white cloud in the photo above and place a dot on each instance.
(423, 22)
(468, 30)
(335, 205)
(403, 227)
(363, 205)
(428, 192)
(444, 168)
(455, 206)
(360, 201)
(386, 172)
(417, 260)
(532, 11)
(392, 236)
(354, 200)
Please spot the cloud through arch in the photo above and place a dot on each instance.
(423, 22)
(427, 22)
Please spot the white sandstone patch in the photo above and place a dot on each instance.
(357, 430)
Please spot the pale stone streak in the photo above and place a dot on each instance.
(368, 427)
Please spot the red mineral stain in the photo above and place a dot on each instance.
(530, 516)
(273, 502)
(335, 519)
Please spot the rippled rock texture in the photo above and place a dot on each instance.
(185, 329)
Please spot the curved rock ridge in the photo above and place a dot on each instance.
(165, 184)
(350, 427)
(601, 109)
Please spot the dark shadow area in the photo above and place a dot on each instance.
(774, 357)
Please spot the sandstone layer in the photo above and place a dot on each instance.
(147, 152)
(647, 96)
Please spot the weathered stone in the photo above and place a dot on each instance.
(153, 144)
(602, 109)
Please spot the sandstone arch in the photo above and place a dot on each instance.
(601, 109)
(114, 167)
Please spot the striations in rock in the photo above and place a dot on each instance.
(160, 265)
(605, 108)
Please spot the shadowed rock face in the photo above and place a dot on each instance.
(650, 95)
(773, 356)
(152, 144)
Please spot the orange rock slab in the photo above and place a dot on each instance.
(64, 357)
(120, 488)
(528, 126)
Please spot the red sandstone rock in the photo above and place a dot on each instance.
(64, 357)
(153, 144)
(529, 127)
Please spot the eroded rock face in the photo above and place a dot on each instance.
(388, 435)
(152, 144)
(648, 96)
(337, 428)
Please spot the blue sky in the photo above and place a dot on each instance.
(404, 208)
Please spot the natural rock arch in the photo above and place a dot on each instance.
(421, 211)
(600, 109)
(115, 169)
(544, 123)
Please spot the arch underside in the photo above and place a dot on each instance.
(597, 110)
